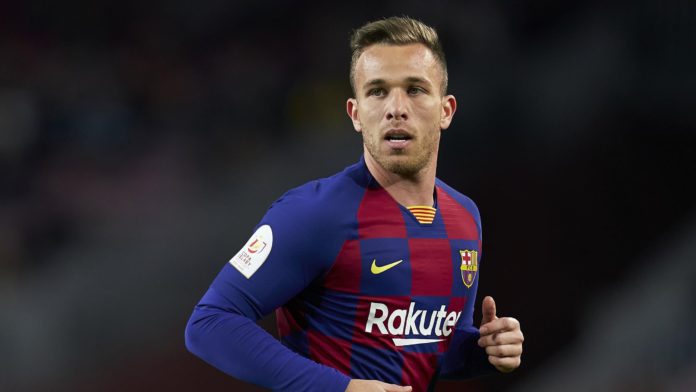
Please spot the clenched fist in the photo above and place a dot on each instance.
(501, 337)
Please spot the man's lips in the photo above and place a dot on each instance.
(397, 138)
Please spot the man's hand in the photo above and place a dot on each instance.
(375, 386)
(501, 337)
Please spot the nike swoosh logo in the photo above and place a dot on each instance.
(376, 269)
(410, 342)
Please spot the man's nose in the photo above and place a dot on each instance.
(397, 106)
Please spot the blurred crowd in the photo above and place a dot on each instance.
(102, 104)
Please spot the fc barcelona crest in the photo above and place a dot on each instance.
(469, 266)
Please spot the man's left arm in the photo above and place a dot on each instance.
(496, 345)
(502, 338)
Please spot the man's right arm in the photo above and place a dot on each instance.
(285, 254)
(235, 344)
(264, 275)
(208, 332)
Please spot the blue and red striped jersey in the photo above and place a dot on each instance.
(361, 289)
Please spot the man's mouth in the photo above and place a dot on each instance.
(397, 138)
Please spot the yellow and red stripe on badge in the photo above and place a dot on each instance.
(424, 214)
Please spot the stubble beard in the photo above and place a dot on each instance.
(399, 161)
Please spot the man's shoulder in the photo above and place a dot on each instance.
(461, 199)
(324, 198)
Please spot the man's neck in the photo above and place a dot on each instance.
(407, 191)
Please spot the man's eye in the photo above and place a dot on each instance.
(415, 90)
(377, 92)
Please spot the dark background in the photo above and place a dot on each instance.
(141, 142)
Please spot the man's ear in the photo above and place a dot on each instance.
(352, 109)
(449, 106)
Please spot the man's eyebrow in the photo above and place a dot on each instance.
(410, 79)
(416, 79)
(374, 82)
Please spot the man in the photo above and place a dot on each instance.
(374, 270)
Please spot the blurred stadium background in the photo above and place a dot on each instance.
(140, 142)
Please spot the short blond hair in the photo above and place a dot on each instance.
(396, 30)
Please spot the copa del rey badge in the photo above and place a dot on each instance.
(469, 266)
(254, 252)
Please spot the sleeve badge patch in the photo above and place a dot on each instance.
(469, 266)
(254, 252)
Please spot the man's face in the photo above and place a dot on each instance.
(399, 108)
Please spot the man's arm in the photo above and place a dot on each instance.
(501, 338)
(290, 248)
(464, 358)
(475, 352)
(229, 340)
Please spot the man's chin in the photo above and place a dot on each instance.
(402, 165)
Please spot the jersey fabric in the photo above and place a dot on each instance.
(361, 289)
